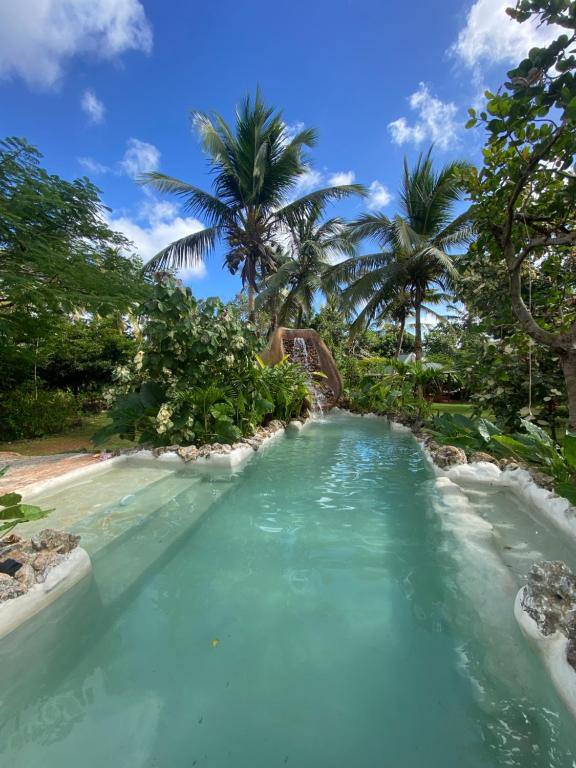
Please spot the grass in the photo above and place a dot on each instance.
(73, 441)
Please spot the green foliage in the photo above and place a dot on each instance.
(13, 512)
(197, 378)
(414, 264)
(389, 385)
(532, 446)
(256, 165)
(471, 434)
(66, 353)
(57, 254)
(26, 412)
(58, 260)
(311, 246)
(500, 369)
(523, 197)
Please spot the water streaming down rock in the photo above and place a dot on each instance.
(300, 355)
(305, 347)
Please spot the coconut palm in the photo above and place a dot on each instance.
(310, 248)
(256, 168)
(415, 260)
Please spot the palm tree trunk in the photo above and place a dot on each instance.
(251, 304)
(418, 339)
(401, 339)
(418, 328)
(299, 318)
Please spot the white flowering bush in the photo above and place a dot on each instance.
(197, 377)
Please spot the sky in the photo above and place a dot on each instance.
(104, 88)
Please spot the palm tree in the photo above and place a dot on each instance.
(256, 168)
(414, 262)
(310, 248)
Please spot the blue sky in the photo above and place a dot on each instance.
(104, 89)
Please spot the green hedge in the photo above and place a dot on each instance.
(25, 413)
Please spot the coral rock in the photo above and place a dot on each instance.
(549, 599)
(10, 588)
(542, 479)
(481, 456)
(188, 453)
(448, 455)
(57, 540)
(46, 559)
(26, 576)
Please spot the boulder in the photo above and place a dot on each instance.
(481, 456)
(46, 559)
(508, 464)
(188, 453)
(542, 479)
(448, 455)
(55, 540)
(10, 588)
(549, 598)
(26, 576)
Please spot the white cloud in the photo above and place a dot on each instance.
(291, 130)
(491, 36)
(93, 166)
(139, 158)
(378, 196)
(157, 225)
(38, 37)
(341, 178)
(435, 122)
(307, 181)
(92, 106)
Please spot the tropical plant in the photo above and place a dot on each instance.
(523, 197)
(532, 446)
(256, 167)
(390, 385)
(13, 512)
(415, 262)
(197, 378)
(310, 248)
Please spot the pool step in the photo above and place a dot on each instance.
(125, 560)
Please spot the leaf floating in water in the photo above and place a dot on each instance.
(215, 643)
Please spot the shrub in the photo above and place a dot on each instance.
(198, 378)
(532, 446)
(25, 413)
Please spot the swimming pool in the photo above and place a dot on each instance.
(320, 608)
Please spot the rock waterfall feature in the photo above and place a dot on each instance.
(305, 347)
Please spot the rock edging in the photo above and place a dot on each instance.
(217, 454)
(545, 609)
(35, 571)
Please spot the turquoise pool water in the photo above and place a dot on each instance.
(319, 609)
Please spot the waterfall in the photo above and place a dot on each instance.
(300, 356)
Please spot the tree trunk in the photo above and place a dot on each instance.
(563, 344)
(418, 328)
(568, 364)
(401, 339)
(251, 304)
(299, 318)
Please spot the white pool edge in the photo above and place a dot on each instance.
(33, 489)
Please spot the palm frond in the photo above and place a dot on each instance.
(188, 252)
